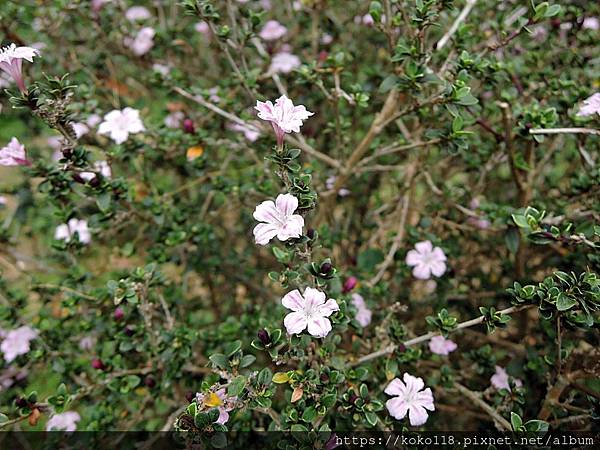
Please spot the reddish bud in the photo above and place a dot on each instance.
(188, 126)
(97, 364)
(349, 284)
(118, 314)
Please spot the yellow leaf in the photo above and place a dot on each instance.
(280, 378)
(194, 152)
(212, 400)
(297, 394)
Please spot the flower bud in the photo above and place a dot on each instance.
(188, 126)
(326, 268)
(97, 364)
(264, 337)
(149, 381)
(21, 402)
(129, 331)
(310, 233)
(353, 398)
(324, 378)
(349, 284)
(189, 396)
(401, 348)
(118, 314)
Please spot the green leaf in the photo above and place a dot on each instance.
(371, 418)
(309, 414)
(247, 360)
(515, 421)
(219, 360)
(236, 387)
(564, 302)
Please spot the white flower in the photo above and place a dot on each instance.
(143, 41)
(500, 379)
(252, 134)
(591, 23)
(163, 69)
(330, 183)
(16, 342)
(284, 116)
(137, 13)
(427, 260)
(66, 231)
(119, 123)
(13, 154)
(441, 346)
(409, 398)
(101, 167)
(279, 219)
(81, 129)
(66, 421)
(272, 31)
(174, 119)
(309, 311)
(590, 106)
(11, 62)
(363, 313)
(284, 63)
(93, 120)
(202, 27)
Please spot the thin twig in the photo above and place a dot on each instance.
(426, 337)
(564, 131)
(475, 398)
(461, 17)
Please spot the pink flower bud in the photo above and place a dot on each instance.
(349, 284)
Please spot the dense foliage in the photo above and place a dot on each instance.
(300, 215)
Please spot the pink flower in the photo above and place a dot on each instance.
(309, 311)
(143, 41)
(13, 154)
(590, 106)
(81, 129)
(137, 13)
(87, 343)
(119, 123)
(163, 69)
(218, 400)
(16, 342)
(98, 4)
(427, 260)
(441, 346)
(349, 284)
(591, 23)
(101, 167)
(93, 120)
(66, 421)
(272, 31)
(11, 61)
(363, 313)
(284, 116)
(279, 219)
(409, 398)
(284, 63)
(252, 134)
(66, 231)
(202, 27)
(175, 119)
(500, 379)
(330, 183)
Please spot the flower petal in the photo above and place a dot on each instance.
(266, 212)
(438, 268)
(264, 232)
(328, 308)
(422, 272)
(424, 247)
(319, 326)
(397, 408)
(286, 204)
(295, 322)
(417, 415)
(396, 387)
(293, 300)
(413, 258)
(313, 297)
